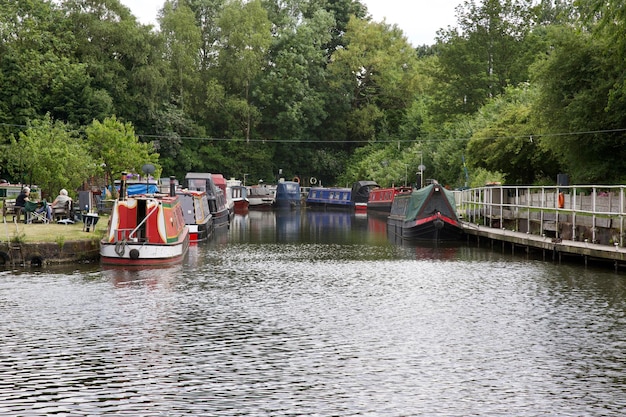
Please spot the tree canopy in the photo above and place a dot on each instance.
(517, 89)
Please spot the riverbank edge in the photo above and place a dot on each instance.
(49, 253)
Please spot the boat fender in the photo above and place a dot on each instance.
(134, 254)
(313, 180)
(35, 261)
(4, 258)
(561, 200)
(296, 179)
(120, 248)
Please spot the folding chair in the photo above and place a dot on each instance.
(36, 213)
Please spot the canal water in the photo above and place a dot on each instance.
(315, 314)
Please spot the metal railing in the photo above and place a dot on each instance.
(592, 206)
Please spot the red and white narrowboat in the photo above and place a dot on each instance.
(144, 230)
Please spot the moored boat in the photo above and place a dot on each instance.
(238, 195)
(197, 214)
(380, 199)
(287, 195)
(425, 214)
(360, 194)
(261, 196)
(330, 198)
(145, 229)
(341, 198)
(202, 181)
(222, 184)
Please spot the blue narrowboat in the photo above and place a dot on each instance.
(322, 197)
(346, 198)
(287, 195)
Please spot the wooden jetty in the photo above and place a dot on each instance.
(585, 222)
(554, 248)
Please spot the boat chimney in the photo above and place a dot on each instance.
(123, 187)
(172, 186)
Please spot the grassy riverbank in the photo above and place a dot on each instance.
(53, 232)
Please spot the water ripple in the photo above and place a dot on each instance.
(316, 329)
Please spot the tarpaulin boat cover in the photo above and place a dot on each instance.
(419, 198)
(135, 189)
(361, 190)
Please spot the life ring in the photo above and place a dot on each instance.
(313, 180)
(296, 179)
(561, 200)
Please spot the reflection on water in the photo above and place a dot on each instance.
(302, 313)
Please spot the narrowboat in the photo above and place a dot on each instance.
(222, 184)
(287, 195)
(203, 181)
(360, 194)
(330, 198)
(344, 198)
(380, 199)
(425, 214)
(237, 194)
(197, 214)
(145, 230)
(261, 196)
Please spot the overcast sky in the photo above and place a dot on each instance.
(419, 19)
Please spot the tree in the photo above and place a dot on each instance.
(38, 72)
(289, 90)
(374, 76)
(245, 38)
(580, 121)
(489, 51)
(122, 57)
(115, 147)
(53, 156)
(504, 139)
(182, 41)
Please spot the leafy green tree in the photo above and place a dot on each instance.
(117, 149)
(182, 41)
(504, 139)
(374, 76)
(246, 38)
(289, 90)
(580, 122)
(343, 11)
(50, 154)
(207, 13)
(37, 69)
(489, 51)
(123, 58)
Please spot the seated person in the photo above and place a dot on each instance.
(61, 200)
(20, 202)
(41, 208)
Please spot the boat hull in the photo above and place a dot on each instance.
(221, 218)
(433, 228)
(200, 232)
(144, 254)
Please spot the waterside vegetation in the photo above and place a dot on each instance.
(518, 91)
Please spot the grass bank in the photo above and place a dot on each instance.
(46, 233)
